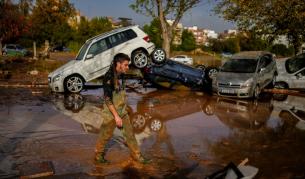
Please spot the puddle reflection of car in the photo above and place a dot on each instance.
(243, 114)
(173, 73)
(157, 107)
(293, 106)
(85, 110)
(245, 74)
(291, 72)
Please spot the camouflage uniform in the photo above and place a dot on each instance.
(120, 103)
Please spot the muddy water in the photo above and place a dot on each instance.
(186, 134)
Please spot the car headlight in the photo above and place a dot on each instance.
(57, 77)
(248, 83)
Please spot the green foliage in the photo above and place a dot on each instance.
(271, 18)
(281, 50)
(50, 21)
(229, 45)
(99, 25)
(74, 46)
(154, 32)
(188, 41)
(251, 41)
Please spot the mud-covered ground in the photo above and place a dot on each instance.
(186, 134)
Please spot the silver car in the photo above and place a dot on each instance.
(291, 72)
(245, 74)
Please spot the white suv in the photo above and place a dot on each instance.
(95, 57)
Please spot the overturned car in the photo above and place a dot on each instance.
(171, 74)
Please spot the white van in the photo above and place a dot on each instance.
(95, 57)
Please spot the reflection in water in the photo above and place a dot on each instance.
(156, 119)
(243, 114)
(278, 151)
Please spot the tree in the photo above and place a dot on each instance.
(12, 22)
(161, 9)
(50, 18)
(188, 41)
(271, 18)
(154, 32)
(99, 25)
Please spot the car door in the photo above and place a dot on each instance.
(298, 79)
(98, 59)
(265, 70)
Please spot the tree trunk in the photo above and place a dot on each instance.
(166, 41)
(1, 46)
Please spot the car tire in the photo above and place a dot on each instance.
(74, 102)
(201, 67)
(158, 56)
(138, 122)
(139, 59)
(73, 84)
(156, 125)
(210, 71)
(4, 53)
(280, 85)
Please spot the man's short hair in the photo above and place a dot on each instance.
(120, 58)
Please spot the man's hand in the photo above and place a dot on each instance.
(118, 121)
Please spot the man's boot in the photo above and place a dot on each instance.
(100, 158)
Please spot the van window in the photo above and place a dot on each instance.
(98, 47)
(118, 38)
(130, 34)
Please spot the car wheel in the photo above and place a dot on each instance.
(74, 102)
(212, 72)
(201, 67)
(139, 59)
(155, 125)
(208, 110)
(4, 53)
(256, 92)
(280, 85)
(74, 84)
(138, 121)
(158, 55)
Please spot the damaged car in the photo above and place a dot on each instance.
(96, 55)
(171, 74)
(291, 73)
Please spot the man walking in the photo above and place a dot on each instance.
(114, 111)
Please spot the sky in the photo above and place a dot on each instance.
(201, 15)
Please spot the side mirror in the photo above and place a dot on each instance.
(299, 75)
(262, 70)
(89, 56)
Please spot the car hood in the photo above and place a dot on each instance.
(235, 78)
(65, 67)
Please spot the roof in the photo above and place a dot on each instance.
(111, 32)
(249, 54)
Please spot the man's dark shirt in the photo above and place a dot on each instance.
(109, 85)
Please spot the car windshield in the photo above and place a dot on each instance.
(82, 51)
(240, 66)
(296, 63)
